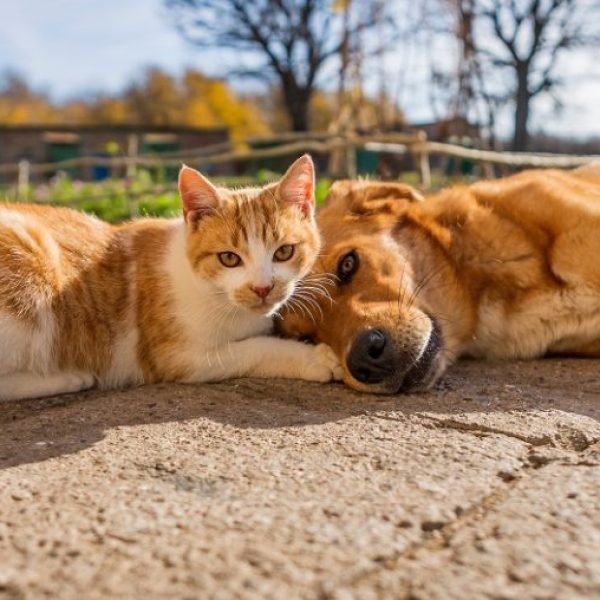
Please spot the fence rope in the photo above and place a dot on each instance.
(318, 143)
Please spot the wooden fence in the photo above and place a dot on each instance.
(415, 145)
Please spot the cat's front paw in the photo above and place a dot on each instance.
(78, 381)
(323, 365)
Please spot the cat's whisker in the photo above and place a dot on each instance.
(315, 283)
(325, 274)
(292, 306)
(219, 317)
(324, 279)
(211, 313)
(302, 307)
(316, 306)
(317, 275)
(314, 292)
(318, 284)
(215, 310)
(230, 352)
(314, 286)
(310, 297)
(317, 291)
(309, 313)
(223, 321)
(311, 302)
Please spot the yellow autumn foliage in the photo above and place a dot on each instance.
(157, 98)
(211, 101)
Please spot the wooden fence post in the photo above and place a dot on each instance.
(131, 171)
(424, 166)
(132, 153)
(350, 149)
(488, 170)
(343, 145)
(23, 180)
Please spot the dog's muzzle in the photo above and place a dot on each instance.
(371, 358)
(374, 359)
(423, 372)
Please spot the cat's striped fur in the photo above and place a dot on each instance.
(83, 302)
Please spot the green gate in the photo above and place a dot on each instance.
(57, 152)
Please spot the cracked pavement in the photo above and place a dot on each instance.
(487, 487)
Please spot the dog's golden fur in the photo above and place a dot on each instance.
(501, 269)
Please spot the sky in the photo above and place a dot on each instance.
(67, 47)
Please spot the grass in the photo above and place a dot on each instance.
(148, 194)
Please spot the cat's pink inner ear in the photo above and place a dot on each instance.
(298, 185)
(198, 195)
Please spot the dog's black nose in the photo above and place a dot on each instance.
(370, 359)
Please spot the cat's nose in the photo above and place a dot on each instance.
(262, 291)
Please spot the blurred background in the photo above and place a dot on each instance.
(100, 102)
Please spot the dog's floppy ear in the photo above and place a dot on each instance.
(382, 190)
(340, 194)
(370, 197)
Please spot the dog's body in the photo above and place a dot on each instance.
(500, 269)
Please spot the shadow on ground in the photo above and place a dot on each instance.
(34, 431)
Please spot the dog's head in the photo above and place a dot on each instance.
(363, 298)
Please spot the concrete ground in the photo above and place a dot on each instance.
(487, 487)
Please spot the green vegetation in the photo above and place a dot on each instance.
(147, 194)
(113, 200)
(150, 194)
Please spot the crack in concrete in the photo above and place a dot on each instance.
(440, 538)
(576, 440)
(478, 428)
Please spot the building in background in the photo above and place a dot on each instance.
(55, 143)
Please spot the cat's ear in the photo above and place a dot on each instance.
(198, 195)
(298, 185)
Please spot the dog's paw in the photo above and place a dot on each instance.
(322, 365)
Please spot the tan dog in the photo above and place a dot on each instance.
(499, 269)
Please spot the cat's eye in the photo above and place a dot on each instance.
(229, 259)
(284, 253)
(347, 266)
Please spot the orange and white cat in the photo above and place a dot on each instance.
(85, 303)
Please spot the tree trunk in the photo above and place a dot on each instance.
(299, 117)
(521, 135)
(297, 101)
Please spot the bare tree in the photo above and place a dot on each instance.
(524, 39)
(477, 97)
(293, 39)
(508, 53)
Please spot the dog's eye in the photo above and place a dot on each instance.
(347, 266)
(306, 338)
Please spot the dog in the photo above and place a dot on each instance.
(500, 269)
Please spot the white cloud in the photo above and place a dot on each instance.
(70, 46)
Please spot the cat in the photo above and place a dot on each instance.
(85, 303)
